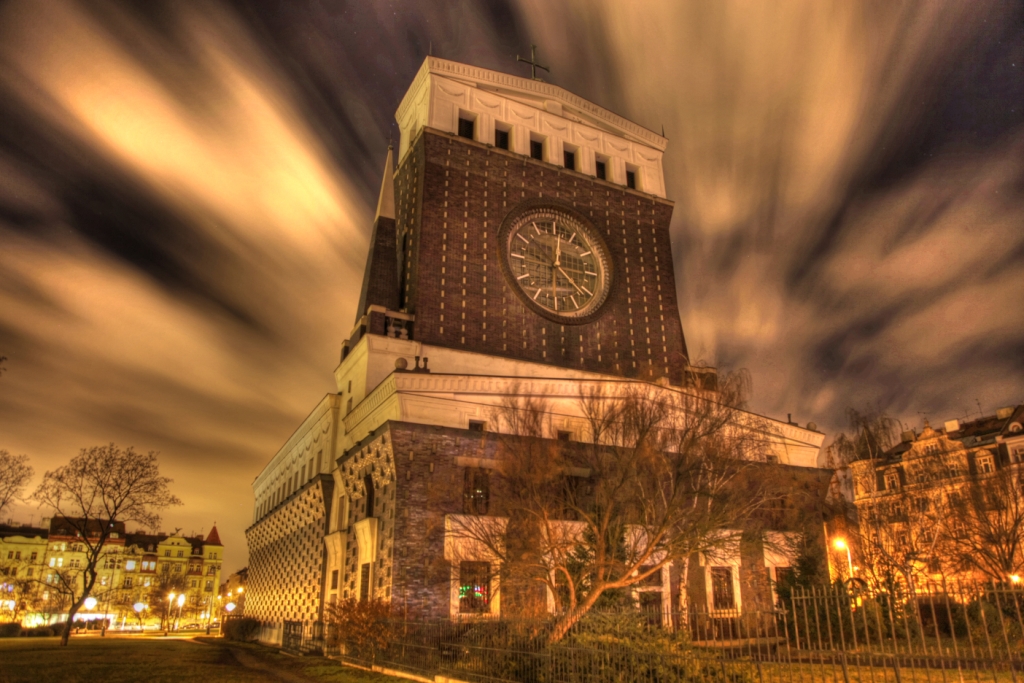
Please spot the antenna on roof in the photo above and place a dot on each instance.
(981, 413)
(663, 130)
(430, 48)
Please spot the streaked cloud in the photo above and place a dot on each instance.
(185, 196)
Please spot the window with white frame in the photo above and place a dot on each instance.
(474, 587)
(723, 595)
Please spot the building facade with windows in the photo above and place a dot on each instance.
(520, 248)
(133, 568)
(156, 565)
(945, 503)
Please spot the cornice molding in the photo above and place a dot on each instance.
(479, 76)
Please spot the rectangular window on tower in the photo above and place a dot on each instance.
(334, 580)
(569, 157)
(501, 137)
(466, 125)
(631, 178)
(537, 148)
(601, 168)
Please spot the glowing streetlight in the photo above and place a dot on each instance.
(841, 544)
(230, 607)
(90, 603)
(1014, 578)
(138, 607)
(181, 602)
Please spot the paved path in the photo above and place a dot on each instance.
(244, 659)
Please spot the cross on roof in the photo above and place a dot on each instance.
(534, 65)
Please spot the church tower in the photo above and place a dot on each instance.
(520, 248)
(530, 224)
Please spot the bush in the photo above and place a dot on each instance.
(626, 646)
(41, 632)
(364, 628)
(12, 630)
(244, 629)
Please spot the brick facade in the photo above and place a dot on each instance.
(452, 195)
(418, 474)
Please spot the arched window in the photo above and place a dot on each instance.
(368, 483)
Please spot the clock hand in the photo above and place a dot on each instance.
(558, 249)
(554, 284)
(570, 280)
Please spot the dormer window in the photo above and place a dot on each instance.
(466, 125)
(986, 464)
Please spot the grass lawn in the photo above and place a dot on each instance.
(154, 660)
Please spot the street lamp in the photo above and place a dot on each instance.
(138, 607)
(181, 601)
(1014, 578)
(841, 544)
(90, 603)
(209, 613)
(167, 616)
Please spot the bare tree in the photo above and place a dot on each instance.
(20, 575)
(986, 523)
(871, 434)
(102, 485)
(15, 473)
(900, 538)
(658, 477)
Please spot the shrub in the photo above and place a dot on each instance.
(12, 630)
(244, 629)
(41, 632)
(363, 627)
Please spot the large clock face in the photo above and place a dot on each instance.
(558, 263)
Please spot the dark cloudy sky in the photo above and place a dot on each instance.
(186, 191)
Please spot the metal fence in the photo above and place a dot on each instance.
(938, 634)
